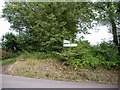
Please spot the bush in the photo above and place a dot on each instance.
(87, 56)
(8, 55)
(83, 56)
(110, 54)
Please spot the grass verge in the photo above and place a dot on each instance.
(7, 61)
(54, 70)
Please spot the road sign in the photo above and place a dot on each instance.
(70, 45)
(66, 41)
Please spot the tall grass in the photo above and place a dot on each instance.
(38, 55)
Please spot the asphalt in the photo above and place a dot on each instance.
(9, 81)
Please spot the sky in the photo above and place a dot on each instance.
(4, 25)
(94, 38)
(97, 36)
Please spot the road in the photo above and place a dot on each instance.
(9, 81)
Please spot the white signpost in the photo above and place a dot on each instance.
(67, 43)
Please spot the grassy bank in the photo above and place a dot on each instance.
(84, 63)
(54, 70)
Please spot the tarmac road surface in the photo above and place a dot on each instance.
(9, 81)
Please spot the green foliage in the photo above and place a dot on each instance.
(80, 57)
(108, 14)
(8, 55)
(43, 26)
(10, 43)
(107, 50)
(7, 61)
(84, 56)
(10, 46)
(87, 56)
(37, 55)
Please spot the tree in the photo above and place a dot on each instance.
(108, 15)
(10, 43)
(43, 26)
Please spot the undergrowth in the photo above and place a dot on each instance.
(87, 56)
(104, 55)
(38, 55)
(8, 61)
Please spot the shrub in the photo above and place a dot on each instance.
(87, 56)
(109, 52)
(8, 55)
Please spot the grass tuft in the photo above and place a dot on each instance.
(7, 61)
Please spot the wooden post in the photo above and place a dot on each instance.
(119, 44)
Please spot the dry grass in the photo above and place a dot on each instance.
(52, 69)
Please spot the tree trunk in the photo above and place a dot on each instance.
(119, 44)
(118, 12)
(114, 32)
(114, 28)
